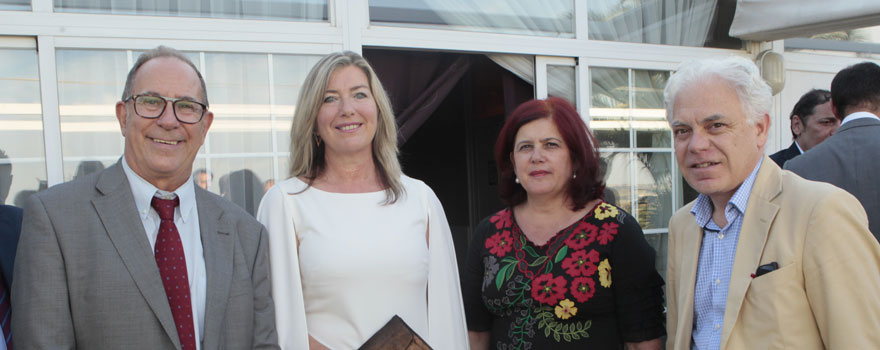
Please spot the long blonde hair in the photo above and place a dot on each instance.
(307, 156)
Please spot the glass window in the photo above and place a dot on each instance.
(89, 84)
(671, 22)
(553, 18)
(24, 5)
(305, 10)
(22, 155)
(561, 83)
(861, 43)
(863, 35)
(629, 121)
(252, 97)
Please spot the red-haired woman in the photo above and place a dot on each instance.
(559, 268)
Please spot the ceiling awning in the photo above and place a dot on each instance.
(766, 20)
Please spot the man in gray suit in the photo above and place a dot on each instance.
(136, 256)
(850, 159)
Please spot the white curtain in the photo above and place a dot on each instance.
(670, 22)
(259, 9)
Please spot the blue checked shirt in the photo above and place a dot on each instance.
(716, 262)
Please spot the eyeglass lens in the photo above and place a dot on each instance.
(153, 106)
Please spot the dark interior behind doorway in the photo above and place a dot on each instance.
(452, 150)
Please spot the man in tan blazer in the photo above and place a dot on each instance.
(762, 259)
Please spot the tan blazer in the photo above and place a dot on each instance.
(826, 291)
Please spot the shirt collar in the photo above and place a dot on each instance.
(702, 209)
(144, 192)
(858, 115)
(798, 147)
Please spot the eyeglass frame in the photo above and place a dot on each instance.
(173, 109)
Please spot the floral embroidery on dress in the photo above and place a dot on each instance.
(585, 233)
(490, 264)
(548, 289)
(566, 309)
(605, 273)
(581, 263)
(609, 229)
(499, 243)
(502, 219)
(543, 288)
(605, 210)
(583, 288)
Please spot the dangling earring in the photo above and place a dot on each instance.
(318, 140)
(574, 176)
(516, 179)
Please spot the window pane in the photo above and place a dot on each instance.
(546, 18)
(649, 116)
(660, 243)
(245, 94)
(670, 22)
(23, 5)
(618, 189)
(863, 43)
(628, 102)
(22, 156)
(654, 188)
(241, 180)
(89, 84)
(561, 83)
(307, 10)
(288, 73)
(863, 35)
(238, 85)
(609, 102)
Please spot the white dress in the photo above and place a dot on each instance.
(359, 263)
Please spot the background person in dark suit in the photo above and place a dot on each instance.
(136, 256)
(811, 123)
(10, 227)
(851, 158)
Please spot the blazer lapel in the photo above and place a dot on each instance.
(217, 242)
(118, 214)
(690, 253)
(759, 215)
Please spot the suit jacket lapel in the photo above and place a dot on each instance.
(759, 215)
(118, 214)
(217, 243)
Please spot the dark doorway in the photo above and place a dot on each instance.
(452, 150)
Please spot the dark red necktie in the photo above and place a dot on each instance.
(5, 316)
(172, 268)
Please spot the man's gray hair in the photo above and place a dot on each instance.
(161, 51)
(740, 74)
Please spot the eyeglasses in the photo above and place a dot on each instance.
(152, 106)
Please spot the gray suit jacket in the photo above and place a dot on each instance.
(85, 276)
(849, 159)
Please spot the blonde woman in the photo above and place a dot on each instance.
(354, 241)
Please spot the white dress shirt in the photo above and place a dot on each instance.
(857, 115)
(186, 218)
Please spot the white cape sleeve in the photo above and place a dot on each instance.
(278, 214)
(446, 323)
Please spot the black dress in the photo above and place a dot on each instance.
(591, 286)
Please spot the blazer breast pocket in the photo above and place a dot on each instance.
(776, 310)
